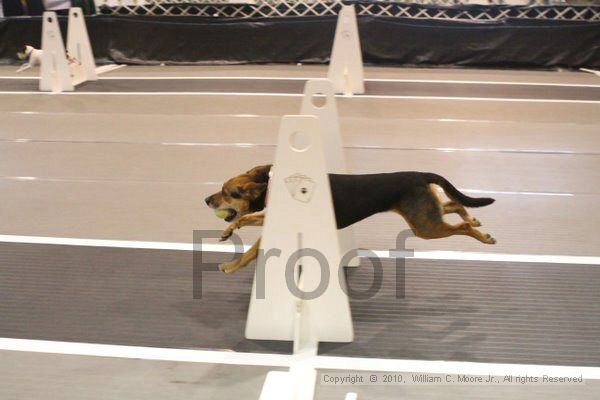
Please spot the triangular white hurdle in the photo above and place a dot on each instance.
(345, 65)
(54, 69)
(319, 100)
(83, 67)
(300, 220)
(300, 298)
(59, 73)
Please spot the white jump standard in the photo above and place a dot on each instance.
(55, 75)
(62, 70)
(78, 47)
(298, 292)
(346, 65)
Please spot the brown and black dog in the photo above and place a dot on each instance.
(355, 197)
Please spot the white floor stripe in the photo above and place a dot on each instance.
(453, 367)
(146, 181)
(469, 82)
(107, 68)
(300, 78)
(247, 94)
(496, 257)
(144, 353)
(129, 244)
(278, 360)
(229, 248)
(556, 194)
(391, 97)
(565, 124)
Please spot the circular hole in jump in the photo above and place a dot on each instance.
(319, 100)
(299, 141)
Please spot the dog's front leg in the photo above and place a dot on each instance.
(239, 263)
(24, 67)
(254, 219)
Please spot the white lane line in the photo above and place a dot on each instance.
(517, 100)
(477, 191)
(350, 147)
(144, 353)
(469, 82)
(566, 124)
(281, 360)
(273, 144)
(152, 93)
(62, 113)
(297, 78)
(148, 181)
(191, 78)
(230, 248)
(108, 68)
(452, 367)
(97, 180)
(129, 244)
(248, 94)
(496, 257)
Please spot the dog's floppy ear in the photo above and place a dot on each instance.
(252, 190)
(260, 174)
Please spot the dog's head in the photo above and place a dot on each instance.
(242, 194)
(24, 52)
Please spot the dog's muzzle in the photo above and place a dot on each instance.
(231, 216)
(231, 212)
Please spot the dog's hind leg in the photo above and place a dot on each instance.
(454, 207)
(465, 228)
(445, 230)
(424, 213)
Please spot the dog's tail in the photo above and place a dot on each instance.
(457, 195)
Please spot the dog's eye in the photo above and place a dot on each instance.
(236, 195)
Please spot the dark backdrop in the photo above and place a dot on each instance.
(400, 41)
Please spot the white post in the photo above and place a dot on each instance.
(319, 100)
(299, 286)
(345, 65)
(279, 385)
(83, 66)
(54, 70)
(300, 221)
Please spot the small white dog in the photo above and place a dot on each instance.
(31, 55)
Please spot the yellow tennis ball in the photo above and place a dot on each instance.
(221, 213)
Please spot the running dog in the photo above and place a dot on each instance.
(31, 56)
(413, 195)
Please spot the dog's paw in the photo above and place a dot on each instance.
(227, 233)
(489, 239)
(475, 222)
(229, 267)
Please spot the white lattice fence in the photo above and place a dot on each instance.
(418, 9)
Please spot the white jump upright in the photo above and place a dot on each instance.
(62, 70)
(345, 65)
(299, 291)
(54, 69)
(319, 100)
(83, 66)
(300, 221)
